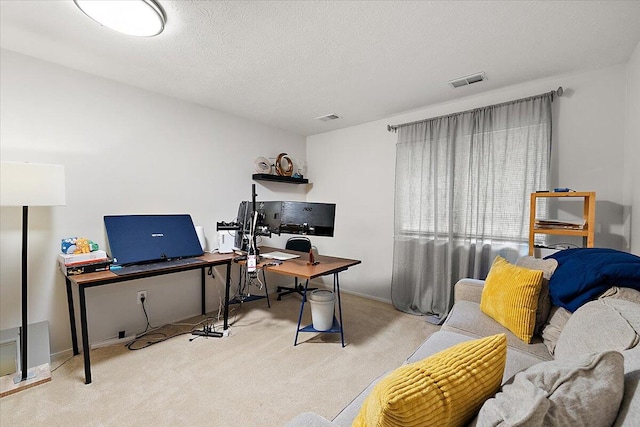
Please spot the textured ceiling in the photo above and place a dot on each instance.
(285, 63)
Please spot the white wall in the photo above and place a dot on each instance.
(632, 151)
(125, 151)
(355, 167)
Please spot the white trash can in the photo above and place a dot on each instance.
(322, 309)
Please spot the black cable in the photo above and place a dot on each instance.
(146, 333)
(144, 308)
(146, 329)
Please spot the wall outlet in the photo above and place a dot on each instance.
(140, 295)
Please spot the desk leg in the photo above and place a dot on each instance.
(266, 289)
(226, 297)
(202, 283)
(304, 299)
(336, 289)
(85, 336)
(72, 317)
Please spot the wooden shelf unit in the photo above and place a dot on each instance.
(588, 214)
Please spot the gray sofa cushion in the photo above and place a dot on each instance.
(441, 340)
(586, 391)
(468, 290)
(466, 318)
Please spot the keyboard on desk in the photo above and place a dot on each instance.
(152, 266)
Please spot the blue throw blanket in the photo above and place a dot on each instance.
(583, 274)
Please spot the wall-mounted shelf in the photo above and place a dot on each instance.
(278, 178)
(587, 232)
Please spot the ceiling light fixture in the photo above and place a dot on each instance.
(144, 18)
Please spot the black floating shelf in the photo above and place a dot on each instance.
(278, 178)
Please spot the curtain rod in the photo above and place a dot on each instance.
(558, 92)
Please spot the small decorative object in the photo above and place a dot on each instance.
(284, 165)
(301, 169)
(312, 259)
(263, 165)
(78, 245)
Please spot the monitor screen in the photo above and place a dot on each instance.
(314, 219)
(268, 219)
(136, 239)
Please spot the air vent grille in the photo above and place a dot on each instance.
(328, 117)
(467, 80)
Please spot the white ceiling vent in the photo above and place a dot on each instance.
(467, 80)
(328, 117)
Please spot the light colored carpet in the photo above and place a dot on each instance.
(254, 377)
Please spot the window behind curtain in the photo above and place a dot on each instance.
(463, 183)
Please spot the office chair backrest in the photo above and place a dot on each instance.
(301, 244)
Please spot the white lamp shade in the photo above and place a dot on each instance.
(31, 184)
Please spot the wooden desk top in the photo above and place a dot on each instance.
(299, 267)
(104, 277)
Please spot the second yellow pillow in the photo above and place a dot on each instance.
(510, 297)
(445, 389)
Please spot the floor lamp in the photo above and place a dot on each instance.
(29, 184)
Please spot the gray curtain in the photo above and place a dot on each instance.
(462, 192)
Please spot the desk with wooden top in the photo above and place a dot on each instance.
(302, 269)
(89, 280)
(298, 267)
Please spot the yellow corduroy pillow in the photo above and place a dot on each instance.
(447, 388)
(510, 297)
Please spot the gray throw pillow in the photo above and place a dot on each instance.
(586, 391)
(547, 266)
(600, 325)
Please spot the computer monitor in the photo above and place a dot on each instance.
(267, 220)
(314, 219)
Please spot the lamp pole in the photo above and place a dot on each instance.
(23, 333)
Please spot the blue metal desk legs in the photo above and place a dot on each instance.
(337, 324)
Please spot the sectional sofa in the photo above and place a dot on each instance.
(577, 368)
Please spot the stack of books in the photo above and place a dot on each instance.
(72, 264)
(560, 224)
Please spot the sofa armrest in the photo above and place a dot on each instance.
(468, 290)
